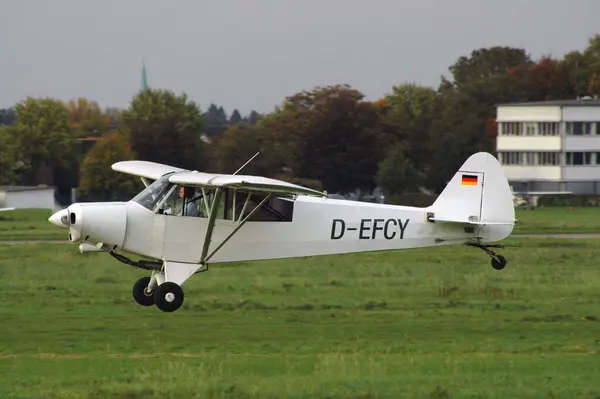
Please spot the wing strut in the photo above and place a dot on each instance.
(211, 223)
(212, 216)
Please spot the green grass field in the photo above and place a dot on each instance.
(436, 323)
(30, 224)
(22, 225)
(559, 220)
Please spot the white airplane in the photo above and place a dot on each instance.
(529, 199)
(6, 209)
(250, 218)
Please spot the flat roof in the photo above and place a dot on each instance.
(24, 188)
(555, 103)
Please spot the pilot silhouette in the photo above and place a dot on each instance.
(191, 208)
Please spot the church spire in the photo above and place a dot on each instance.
(144, 80)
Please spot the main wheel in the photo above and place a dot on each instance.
(499, 263)
(168, 297)
(141, 293)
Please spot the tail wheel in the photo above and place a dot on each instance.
(141, 293)
(168, 297)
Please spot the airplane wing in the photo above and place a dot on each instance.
(145, 169)
(6, 209)
(250, 183)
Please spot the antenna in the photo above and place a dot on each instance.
(247, 162)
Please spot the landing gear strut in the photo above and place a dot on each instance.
(498, 261)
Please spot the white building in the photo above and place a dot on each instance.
(27, 197)
(551, 146)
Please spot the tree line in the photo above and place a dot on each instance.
(330, 138)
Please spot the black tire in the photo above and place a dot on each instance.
(139, 292)
(162, 294)
(500, 263)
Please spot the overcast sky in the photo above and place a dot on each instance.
(250, 54)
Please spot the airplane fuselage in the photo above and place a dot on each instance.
(319, 226)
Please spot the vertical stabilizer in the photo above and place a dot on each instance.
(479, 194)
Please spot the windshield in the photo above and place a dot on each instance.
(154, 193)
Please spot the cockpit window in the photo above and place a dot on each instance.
(154, 193)
(167, 198)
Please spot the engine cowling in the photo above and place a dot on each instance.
(104, 222)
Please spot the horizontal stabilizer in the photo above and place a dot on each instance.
(542, 192)
(442, 220)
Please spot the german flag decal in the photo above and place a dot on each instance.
(469, 180)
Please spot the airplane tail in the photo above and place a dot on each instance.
(478, 194)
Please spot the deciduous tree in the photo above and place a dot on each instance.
(166, 128)
(114, 116)
(397, 173)
(408, 119)
(43, 133)
(544, 80)
(457, 131)
(487, 62)
(236, 146)
(591, 58)
(580, 70)
(334, 132)
(86, 118)
(9, 155)
(98, 182)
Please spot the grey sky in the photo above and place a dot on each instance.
(250, 54)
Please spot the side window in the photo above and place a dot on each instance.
(187, 201)
(193, 202)
(173, 203)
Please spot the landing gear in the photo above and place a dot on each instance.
(498, 261)
(142, 294)
(168, 297)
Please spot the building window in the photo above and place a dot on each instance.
(511, 129)
(511, 158)
(530, 128)
(548, 128)
(578, 158)
(530, 158)
(579, 128)
(548, 158)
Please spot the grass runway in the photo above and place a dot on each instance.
(435, 323)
